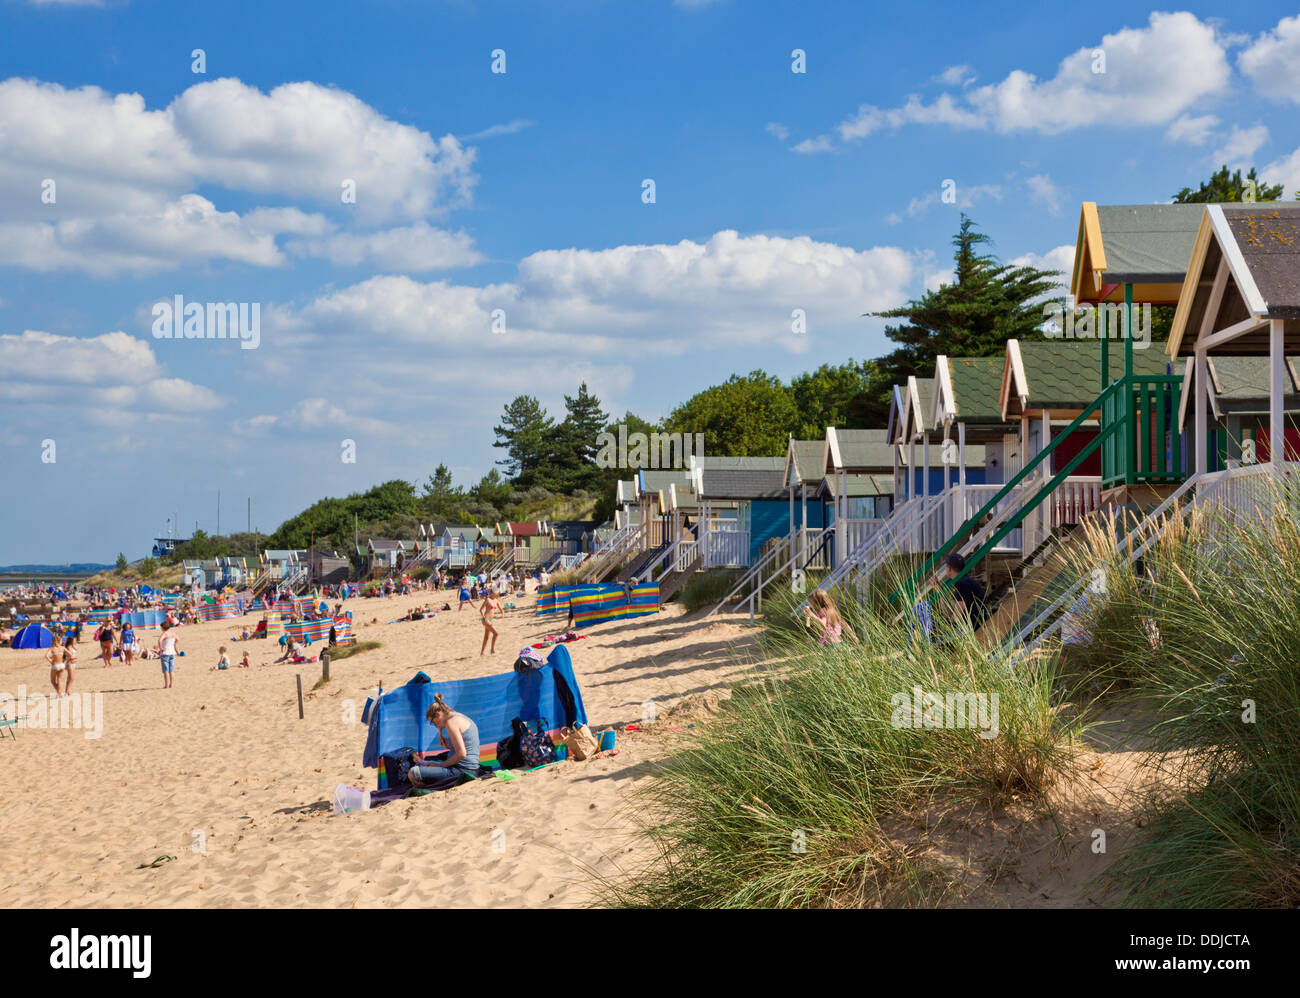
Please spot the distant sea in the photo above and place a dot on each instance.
(17, 575)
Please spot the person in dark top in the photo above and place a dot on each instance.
(968, 593)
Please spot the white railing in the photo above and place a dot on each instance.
(1074, 499)
(687, 555)
(728, 548)
(898, 528)
(858, 531)
(1132, 547)
(773, 564)
(1247, 491)
(568, 561)
(808, 547)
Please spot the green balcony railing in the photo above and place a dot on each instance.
(1152, 450)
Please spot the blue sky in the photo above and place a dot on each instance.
(522, 191)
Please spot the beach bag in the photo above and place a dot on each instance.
(536, 746)
(509, 755)
(397, 766)
(580, 742)
(528, 661)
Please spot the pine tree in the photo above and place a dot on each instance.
(526, 436)
(986, 304)
(572, 464)
(1224, 187)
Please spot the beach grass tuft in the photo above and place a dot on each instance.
(340, 652)
(794, 794)
(1204, 640)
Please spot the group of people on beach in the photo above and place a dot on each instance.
(62, 654)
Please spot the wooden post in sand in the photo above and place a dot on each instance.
(325, 666)
(299, 678)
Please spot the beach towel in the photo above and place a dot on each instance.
(492, 702)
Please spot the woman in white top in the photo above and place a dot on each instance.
(167, 653)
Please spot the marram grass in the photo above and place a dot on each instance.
(1205, 638)
(786, 798)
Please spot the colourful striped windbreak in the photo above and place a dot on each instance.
(288, 606)
(556, 599)
(274, 628)
(611, 602)
(220, 610)
(319, 630)
(145, 620)
(101, 615)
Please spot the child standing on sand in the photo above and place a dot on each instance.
(128, 642)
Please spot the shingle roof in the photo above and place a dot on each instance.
(526, 529)
(1148, 243)
(1268, 237)
(864, 450)
(1066, 374)
(735, 483)
(1246, 377)
(718, 462)
(859, 486)
(977, 388)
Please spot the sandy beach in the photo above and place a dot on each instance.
(220, 773)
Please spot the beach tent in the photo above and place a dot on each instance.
(397, 719)
(33, 636)
(146, 590)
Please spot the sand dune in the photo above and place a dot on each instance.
(220, 773)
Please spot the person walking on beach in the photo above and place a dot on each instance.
(55, 657)
(459, 735)
(167, 650)
(464, 595)
(69, 660)
(491, 606)
(127, 642)
(106, 643)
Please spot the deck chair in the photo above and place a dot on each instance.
(7, 724)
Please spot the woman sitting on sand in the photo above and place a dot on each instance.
(820, 615)
(491, 606)
(457, 733)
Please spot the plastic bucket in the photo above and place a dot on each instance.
(606, 741)
(348, 799)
